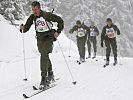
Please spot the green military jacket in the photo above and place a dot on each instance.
(48, 16)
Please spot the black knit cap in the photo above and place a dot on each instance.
(78, 22)
(108, 19)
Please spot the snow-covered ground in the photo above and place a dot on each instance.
(93, 81)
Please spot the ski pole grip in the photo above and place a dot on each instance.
(21, 29)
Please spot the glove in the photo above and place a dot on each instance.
(102, 44)
(118, 33)
(54, 31)
(21, 28)
(70, 31)
(56, 34)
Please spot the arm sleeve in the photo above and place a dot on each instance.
(97, 30)
(73, 29)
(103, 34)
(55, 18)
(28, 24)
(87, 30)
(86, 27)
(116, 29)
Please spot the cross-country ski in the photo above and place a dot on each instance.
(37, 91)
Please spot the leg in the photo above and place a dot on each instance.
(108, 49)
(45, 61)
(79, 46)
(89, 47)
(50, 72)
(114, 48)
(44, 47)
(83, 47)
(94, 46)
(49, 66)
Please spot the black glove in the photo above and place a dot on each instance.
(102, 44)
(70, 31)
(118, 33)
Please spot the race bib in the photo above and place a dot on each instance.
(41, 25)
(92, 32)
(80, 32)
(110, 32)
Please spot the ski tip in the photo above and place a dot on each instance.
(25, 79)
(35, 88)
(57, 79)
(25, 96)
(78, 62)
(104, 66)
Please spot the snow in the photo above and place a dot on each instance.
(93, 81)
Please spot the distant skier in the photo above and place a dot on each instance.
(81, 38)
(108, 35)
(45, 37)
(92, 34)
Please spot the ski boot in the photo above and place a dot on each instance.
(82, 60)
(115, 62)
(88, 57)
(44, 83)
(50, 77)
(94, 56)
(107, 63)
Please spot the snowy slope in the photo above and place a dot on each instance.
(93, 81)
(11, 41)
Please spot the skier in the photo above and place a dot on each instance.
(93, 32)
(81, 38)
(109, 37)
(45, 37)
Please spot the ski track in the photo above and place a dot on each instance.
(85, 83)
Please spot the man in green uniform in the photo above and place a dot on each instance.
(108, 35)
(45, 37)
(81, 35)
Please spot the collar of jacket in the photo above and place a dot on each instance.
(92, 27)
(41, 14)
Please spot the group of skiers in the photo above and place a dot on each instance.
(46, 35)
(89, 33)
(84, 33)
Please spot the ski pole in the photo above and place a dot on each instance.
(119, 51)
(103, 51)
(25, 79)
(74, 82)
(70, 47)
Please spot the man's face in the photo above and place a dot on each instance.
(78, 25)
(109, 23)
(36, 10)
(92, 24)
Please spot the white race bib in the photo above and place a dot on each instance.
(80, 32)
(110, 32)
(92, 32)
(41, 25)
